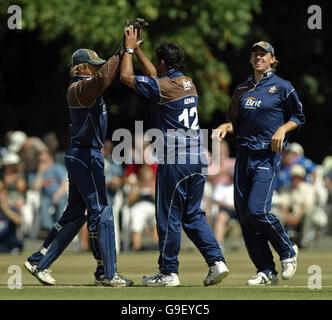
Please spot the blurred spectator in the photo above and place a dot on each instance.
(294, 154)
(223, 196)
(220, 175)
(4, 149)
(298, 206)
(140, 155)
(142, 206)
(328, 184)
(52, 143)
(28, 148)
(13, 179)
(10, 221)
(206, 203)
(50, 180)
(225, 166)
(327, 164)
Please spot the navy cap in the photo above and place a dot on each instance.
(265, 46)
(86, 55)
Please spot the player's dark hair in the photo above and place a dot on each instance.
(172, 55)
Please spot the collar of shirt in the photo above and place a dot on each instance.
(267, 75)
(172, 73)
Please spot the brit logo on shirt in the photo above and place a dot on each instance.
(252, 103)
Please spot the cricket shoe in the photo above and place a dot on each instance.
(216, 274)
(42, 276)
(162, 280)
(261, 279)
(288, 266)
(117, 281)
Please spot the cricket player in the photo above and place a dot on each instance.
(91, 76)
(263, 111)
(179, 186)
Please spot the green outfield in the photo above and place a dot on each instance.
(74, 275)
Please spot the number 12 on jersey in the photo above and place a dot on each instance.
(187, 115)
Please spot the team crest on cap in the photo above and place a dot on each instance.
(272, 89)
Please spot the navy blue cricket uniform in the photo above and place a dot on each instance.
(85, 164)
(180, 181)
(256, 111)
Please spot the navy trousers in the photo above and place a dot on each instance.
(179, 191)
(87, 189)
(255, 176)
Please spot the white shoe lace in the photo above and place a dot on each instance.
(158, 277)
(209, 273)
(118, 277)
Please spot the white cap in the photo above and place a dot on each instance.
(10, 159)
(297, 170)
(296, 148)
(16, 141)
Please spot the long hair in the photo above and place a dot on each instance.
(274, 64)
(74, 70)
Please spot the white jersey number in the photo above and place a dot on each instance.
(186, 114)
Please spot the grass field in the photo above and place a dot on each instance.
(74, 275)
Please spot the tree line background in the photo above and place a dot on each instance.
(216, 36)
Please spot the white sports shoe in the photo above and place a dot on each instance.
(288, 266)
(261, 279)
(216, 274)
(162, 280)
(43, 276)
(117, 281)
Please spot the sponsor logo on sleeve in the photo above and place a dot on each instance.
(142, 79)
(186, 84)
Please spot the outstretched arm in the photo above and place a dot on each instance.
(127, 75)
(146, 65)
(222, 130)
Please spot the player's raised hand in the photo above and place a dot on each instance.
(140, 24)
(131, 40)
